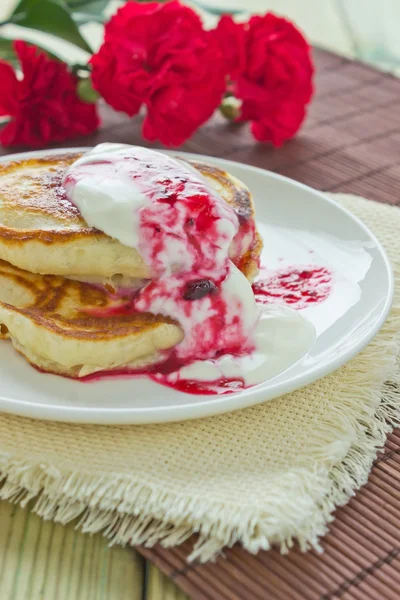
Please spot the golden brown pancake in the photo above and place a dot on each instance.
(54, 323)
(41, 231)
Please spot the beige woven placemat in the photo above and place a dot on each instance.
(263, 475)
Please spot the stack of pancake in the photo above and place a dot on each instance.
(65, 287)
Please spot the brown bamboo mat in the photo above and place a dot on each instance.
(351, 143)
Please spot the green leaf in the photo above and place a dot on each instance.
(82, 18)
(7, 51)
(213, 10)
(87, 6)
(49, 16)
(86, 11)
(23, 5)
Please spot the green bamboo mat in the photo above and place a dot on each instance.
(42, 560)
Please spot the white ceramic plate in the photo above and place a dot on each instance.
(299, 226)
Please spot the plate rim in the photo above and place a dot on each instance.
(218, 404)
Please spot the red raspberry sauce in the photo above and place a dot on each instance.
(298, 288)
(159, 373)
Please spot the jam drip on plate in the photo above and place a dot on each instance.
(295, 287)
(159, 373)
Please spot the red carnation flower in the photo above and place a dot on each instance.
(271, 73)
(44, 106)
(160, 56)
(231, 39)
